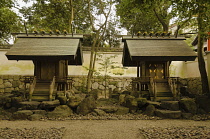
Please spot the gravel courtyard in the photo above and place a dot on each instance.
(104, 129)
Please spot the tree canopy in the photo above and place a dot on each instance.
(9, 21)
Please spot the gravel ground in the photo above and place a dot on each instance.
(105, 129)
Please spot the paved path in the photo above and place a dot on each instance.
(101, 129)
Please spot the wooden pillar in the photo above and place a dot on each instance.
(138, 75)
(143, 69)
(138, 69)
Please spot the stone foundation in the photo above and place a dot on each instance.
(194, 85)
(8, 83)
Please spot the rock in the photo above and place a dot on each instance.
(60, 94)
(150, 110)
(126, 92)
(8, 90)
(49, 104)
(29, 105)
(122, 98)
(95, 85)
(122, 111)
(2, 86)
(115, 96)
(170, 105)
(7, 85)
(70, 93)
(35, 117)
(86, 106)
(168, 114)
(188, 105)
(60, 112)
(41, 112)
(156, 104)
(74, 101)
(100, 112)
(95, 93)
(116, 90)
(187, 115)
(141, 102)
(108, 109)
(131, 103)
(16, 83)
(1, 81)
(22, 115)
(62, 99)
(203, 102)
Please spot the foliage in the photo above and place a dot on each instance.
(200, 11)
(57, 15)
(9, 21)
(144, 15)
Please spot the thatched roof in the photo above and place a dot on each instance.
(156, 49)
(50, 48)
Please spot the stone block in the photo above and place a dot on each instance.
(5, 77)
(1, 81)
(49, 104)
(108, 109)
(188, 105)
(168, 114)
(62, 99)
(16, 77)
(41, 112)
(2, 90)
(16, 83)
(99, 112)
(10, 80)
(22, 115)
(7, 90)
(35, 117)
(187, 115)
(7, 84)
(150, 110)
(2, 86)
(10, 76)
(203, 102)
(29, 105)
(95, 85)
(170, 105)
(60, 112)
(122, 111)
(74, 101)
(141, 102)
(86, 106)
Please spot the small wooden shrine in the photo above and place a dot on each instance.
(51, 55)
(152, 56)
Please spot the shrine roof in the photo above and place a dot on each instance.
(156, 49)
(46, 47)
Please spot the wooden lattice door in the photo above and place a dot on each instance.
(156, 70)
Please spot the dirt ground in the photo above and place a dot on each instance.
(101, 129)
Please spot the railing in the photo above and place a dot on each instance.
(52, 86)
(31, 88)
(173, 83)
(140, 84)
(27, 81)
(153, 88)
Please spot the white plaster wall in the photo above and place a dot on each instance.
(185, 69)
(24, 67)
(13, 67)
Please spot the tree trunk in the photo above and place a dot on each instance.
(201, 61)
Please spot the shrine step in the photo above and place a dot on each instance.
(42, 98)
